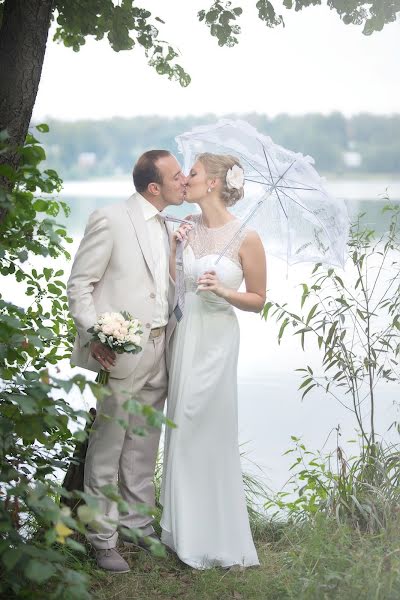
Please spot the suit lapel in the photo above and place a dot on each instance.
(140, 228)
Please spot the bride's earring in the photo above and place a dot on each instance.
(209, 190)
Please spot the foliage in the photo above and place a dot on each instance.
(317, 560)
(125, 25)
(36, 420)
(363, 491)
(372, 15)
(354, 317)
(355, 320)
(218, 18)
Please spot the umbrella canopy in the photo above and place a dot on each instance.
(285, 200)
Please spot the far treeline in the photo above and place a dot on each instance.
(364, 143)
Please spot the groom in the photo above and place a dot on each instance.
(122, 264)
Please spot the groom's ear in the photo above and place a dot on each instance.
(154, 189)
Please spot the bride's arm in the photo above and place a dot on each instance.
(253, 260)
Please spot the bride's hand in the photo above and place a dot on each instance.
(209, 282)
(181, 233)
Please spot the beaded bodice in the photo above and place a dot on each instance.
(203, 250)
(206, 241)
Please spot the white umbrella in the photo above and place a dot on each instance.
(285, 200)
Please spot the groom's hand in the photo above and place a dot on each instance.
(105, 356)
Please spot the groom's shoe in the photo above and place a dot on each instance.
(109, 560)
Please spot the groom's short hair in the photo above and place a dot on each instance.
(145, 170)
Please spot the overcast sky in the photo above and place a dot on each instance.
(314, 64)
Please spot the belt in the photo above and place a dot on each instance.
(156, 332)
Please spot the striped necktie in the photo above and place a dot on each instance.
(179, 297)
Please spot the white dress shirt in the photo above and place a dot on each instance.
(158, 238)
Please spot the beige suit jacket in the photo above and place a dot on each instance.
(113, 271)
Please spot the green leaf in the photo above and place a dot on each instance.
(339, 280)
(305, 382)
(47, 273)
(282, 328)
(39, 571)
(53, 289)
(307, 390)
(11, 557)
(27, 404)
(23, 256)
(87, 514)
(75, 546)
(305, 294)
(311, 313)
(40, 205)
(331, 332)
(43, 128)
(267, 309)
(110, 492)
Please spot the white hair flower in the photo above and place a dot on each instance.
(235, 178)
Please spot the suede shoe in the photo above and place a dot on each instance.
(110, 560)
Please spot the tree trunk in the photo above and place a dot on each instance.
(23, 36)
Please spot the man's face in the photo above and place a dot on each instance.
(172, 189)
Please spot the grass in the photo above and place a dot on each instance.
(315, 560)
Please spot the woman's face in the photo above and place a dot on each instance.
(197, 183)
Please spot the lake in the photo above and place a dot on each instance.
(270, 406)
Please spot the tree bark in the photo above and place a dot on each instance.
(23, 36)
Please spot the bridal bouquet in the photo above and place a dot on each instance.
(118, 331)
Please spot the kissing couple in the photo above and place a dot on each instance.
(128, 260)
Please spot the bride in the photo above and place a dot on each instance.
(205, 519)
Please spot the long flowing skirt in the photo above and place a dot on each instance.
(205, 519)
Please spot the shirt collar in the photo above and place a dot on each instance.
(149, 211)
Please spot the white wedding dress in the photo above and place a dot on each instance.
(205, 519)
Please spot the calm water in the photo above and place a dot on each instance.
(270, 407)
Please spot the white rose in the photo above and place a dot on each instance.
(235, 178)
(134, 339)
(102, 337)
(107, 329)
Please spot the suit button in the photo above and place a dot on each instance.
(152, 295)
(148, 325)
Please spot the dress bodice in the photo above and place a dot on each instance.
(203, 249)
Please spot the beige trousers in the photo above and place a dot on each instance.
(116, 454)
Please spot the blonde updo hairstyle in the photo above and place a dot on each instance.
(217, 165)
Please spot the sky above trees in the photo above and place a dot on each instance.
(314, 64)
